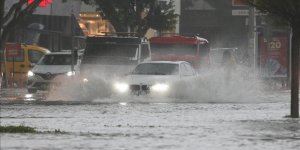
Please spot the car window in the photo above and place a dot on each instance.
(57, 60)
(145, 52)
(111, 54)
(156, 69)
(34, 56)
(19, 58)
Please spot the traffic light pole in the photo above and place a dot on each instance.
(252, 37)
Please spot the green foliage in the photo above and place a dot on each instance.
(137, 15)
(163, 17)
(26, 129)
(17, 129)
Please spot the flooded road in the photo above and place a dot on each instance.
(114, 124)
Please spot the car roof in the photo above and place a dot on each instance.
(115, 40)
(60, 53)
(164, 62)
(177, 39)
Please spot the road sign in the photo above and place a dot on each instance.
(240, 12)
(245, 12)
(273, 56)
(13, 49)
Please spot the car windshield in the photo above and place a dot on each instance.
(176, 49)
(57, 60)
(156, 69)
(111, 54)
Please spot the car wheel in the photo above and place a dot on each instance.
(31, 90)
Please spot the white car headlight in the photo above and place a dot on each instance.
(85, 80)
(30, 74)
(160, 87)
(121, 87)
(70, 73)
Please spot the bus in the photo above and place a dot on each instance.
(192, 49)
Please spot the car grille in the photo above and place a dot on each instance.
(135, 88)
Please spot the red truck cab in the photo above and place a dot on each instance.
(181, 48)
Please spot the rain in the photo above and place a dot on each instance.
(180, 84)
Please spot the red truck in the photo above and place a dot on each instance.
(192, 49)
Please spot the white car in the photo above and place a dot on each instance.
(52, 69)
(154, 77)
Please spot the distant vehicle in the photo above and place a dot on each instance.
(52, 67)
(107, 56)
(24, 58)
(216, 55)
(154, 77)
(194, 49)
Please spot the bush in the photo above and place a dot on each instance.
(17, 129)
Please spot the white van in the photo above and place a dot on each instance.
(52, 69)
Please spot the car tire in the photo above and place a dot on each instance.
(32, 90)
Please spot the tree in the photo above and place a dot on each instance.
(13, 18)
(137, 15)
(288, 11)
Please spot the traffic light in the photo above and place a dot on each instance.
(44, 3)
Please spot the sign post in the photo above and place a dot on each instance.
(11, 50)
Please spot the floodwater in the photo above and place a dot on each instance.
(236, 116)
(129, 125)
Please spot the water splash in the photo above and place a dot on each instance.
(212, 86)
(217, 85)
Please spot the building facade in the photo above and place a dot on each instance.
(214, 20)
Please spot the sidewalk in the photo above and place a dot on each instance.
(9, 94)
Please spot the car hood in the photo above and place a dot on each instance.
(150, 79)
(53, 69)
(105, 71)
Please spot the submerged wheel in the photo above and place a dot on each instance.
(32, 90)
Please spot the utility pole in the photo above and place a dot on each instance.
(252, 40)
(72, 38)
(2, 2)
